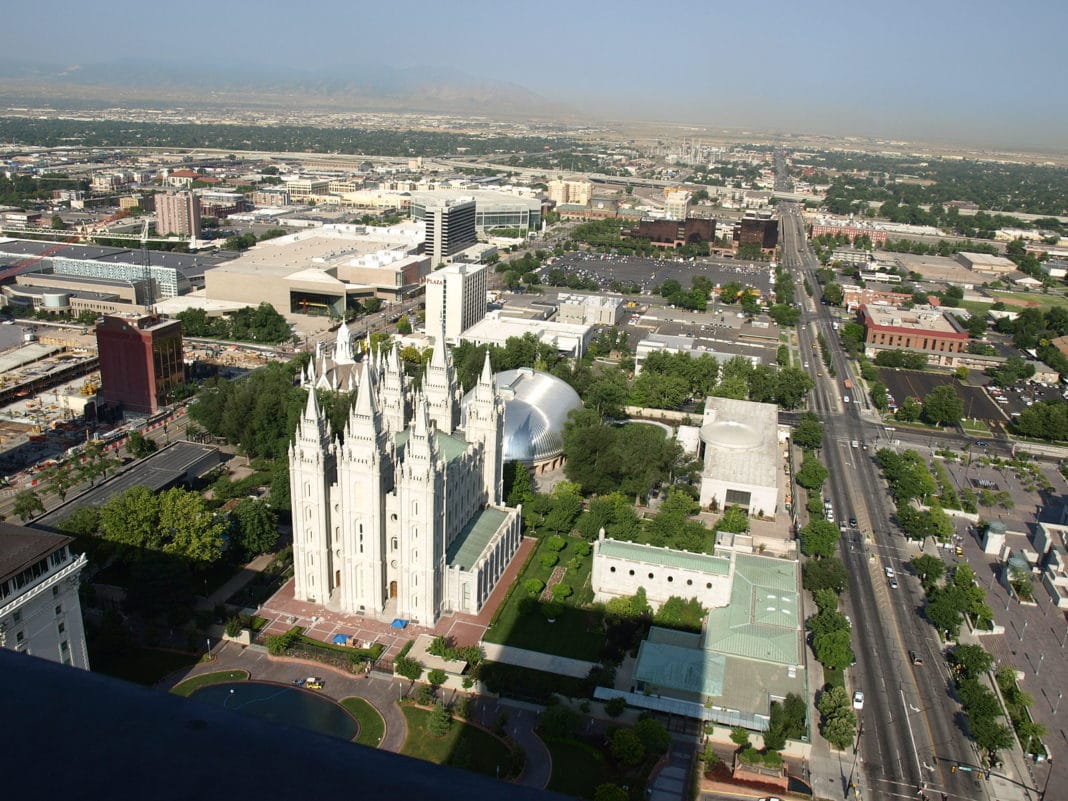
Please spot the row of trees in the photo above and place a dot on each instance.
(260, 324)
(669, 380)
(910, 481)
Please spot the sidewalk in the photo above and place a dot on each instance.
(236, 582)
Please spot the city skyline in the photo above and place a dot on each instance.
(949, 72)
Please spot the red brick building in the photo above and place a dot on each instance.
(921, 329)
(140, 360)
(758, 229)
(851, 231)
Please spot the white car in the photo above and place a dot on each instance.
(858, 700)
(889, 572)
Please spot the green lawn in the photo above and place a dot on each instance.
(372, 727)
(974, 426)
(142, 665)
(464, 746)
(578, 768)
(190, 686)
(577, 633)
(1043, 300)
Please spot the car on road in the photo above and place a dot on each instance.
(915, 658)
(858, 700)
(893, 583)
(981, 443)
(852, 522)
(889, 572)
(311, 683)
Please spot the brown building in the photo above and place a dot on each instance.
(178, 213)
(758, 229)
(140, 360)
(922, 329)
(673, 233)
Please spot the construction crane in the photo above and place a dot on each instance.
(146, 267)
(23, 266)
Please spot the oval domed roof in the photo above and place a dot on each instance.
(536, 406)
(731, 434)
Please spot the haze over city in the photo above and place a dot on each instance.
(976, 73)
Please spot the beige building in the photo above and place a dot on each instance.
(985, 262)
(178, 213)
(323, 270)
(589, 309)
(577, 193)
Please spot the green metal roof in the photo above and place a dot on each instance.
(763, 619)
(469, 544)
(450, 446)
(666, 557)
(686, 670)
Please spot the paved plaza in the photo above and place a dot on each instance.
(283, 612)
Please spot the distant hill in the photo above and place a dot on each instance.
(355, 88)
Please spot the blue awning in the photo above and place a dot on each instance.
(398, 623)
(342, 639)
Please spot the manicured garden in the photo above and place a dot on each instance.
(463, 745)
(372, 726)
(522, 620)
(190, 686)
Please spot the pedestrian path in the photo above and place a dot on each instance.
(550, 663)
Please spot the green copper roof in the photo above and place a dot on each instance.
(666, 557)
(763, 619)
(686, 670)
(450, 446)
(469, 544)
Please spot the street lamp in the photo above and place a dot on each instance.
(1040, 658)
(1056, 706)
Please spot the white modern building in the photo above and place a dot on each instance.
(741, 455)
(455, 299)
(40, 613)
(402, 518)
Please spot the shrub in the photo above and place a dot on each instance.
(549, 559)
(436, 677)
(615, 706)
(556, 543)
(233, 627)
(407, 667)
(561, 591)
(440, 720)
(533, 585)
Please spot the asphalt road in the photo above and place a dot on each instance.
(909, 735)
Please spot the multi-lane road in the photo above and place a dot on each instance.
(909, 737)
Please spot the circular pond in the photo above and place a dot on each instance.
(289, 705)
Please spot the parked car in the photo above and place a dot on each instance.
(858, 700)
(915, 658)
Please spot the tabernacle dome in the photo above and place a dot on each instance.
(536, 406)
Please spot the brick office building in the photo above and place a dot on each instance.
(926, 329)
(672, 233)
(140, 360)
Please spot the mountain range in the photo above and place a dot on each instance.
(341, 88)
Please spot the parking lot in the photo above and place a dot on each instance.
(651, 273)
(903, 384)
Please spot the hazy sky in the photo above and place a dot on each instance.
(977, 71)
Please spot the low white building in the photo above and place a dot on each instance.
(570, 339)
(40, 613)
(741, 455)
(621, 568)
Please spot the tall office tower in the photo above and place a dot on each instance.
(140, 360)
(450, 227)
(178, 213)
(455, 299)
(40, 613)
